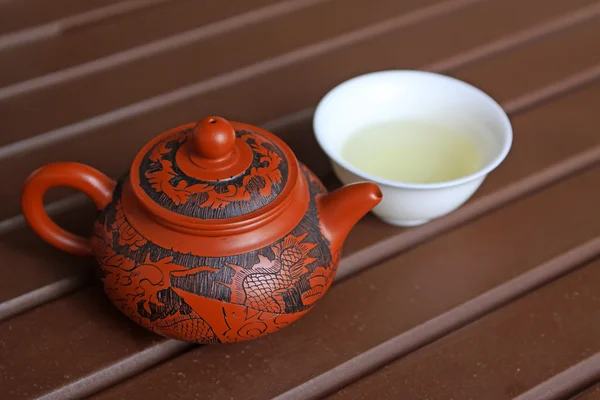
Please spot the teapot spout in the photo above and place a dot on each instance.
(341, 209)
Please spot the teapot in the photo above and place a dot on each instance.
(216, 234)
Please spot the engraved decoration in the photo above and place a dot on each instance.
(207, 299)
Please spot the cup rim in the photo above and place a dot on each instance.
(482, 171)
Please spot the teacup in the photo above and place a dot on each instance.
(385, 96)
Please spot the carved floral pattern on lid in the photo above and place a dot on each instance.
(164, 181)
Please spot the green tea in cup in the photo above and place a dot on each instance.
(413, 151)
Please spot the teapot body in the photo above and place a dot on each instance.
(217, 234)
(175, 285)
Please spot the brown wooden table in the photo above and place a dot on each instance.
(500, 299)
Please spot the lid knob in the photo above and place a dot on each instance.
(213, 138)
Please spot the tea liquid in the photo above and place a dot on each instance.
(413, 151)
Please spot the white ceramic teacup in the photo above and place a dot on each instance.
(401, 94)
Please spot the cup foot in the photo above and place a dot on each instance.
(405, 223)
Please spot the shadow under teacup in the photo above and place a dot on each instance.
(402, 99)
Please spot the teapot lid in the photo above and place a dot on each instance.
(213, 173)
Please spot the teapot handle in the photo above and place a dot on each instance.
(78, 176)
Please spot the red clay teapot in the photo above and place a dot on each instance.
(217, 233)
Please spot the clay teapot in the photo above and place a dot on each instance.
(217, 233)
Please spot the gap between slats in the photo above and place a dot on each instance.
(57, 27)
(442, 325)
(567, 383)
(269, 65)
(386, 248)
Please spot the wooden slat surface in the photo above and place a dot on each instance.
(439, 37)
(124, 32)
(503, 354)
(46, 265)
(545, 58)
(66, 100)
(21, 14)
(184, 65)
